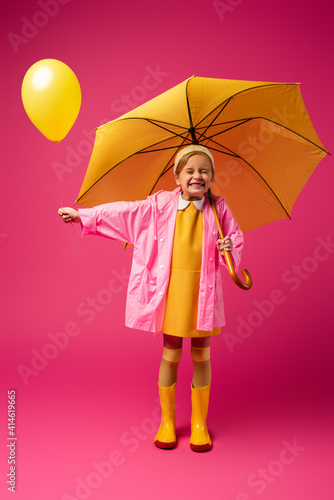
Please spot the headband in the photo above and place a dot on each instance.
(192, 149)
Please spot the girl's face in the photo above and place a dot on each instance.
(195, 178)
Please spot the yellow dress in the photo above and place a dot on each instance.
(180, 318)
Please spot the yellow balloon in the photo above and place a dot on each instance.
(51, 96)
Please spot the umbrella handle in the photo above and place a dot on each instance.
(228, 259)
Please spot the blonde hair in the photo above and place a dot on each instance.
(186, 157)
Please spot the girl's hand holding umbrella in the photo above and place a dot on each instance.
(69, 214)
(224, 245)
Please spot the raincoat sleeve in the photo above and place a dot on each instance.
(230, 228)
(122, 221)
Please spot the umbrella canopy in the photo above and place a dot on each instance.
(260, 134)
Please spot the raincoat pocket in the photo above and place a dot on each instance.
(218, 287)
(146, 287)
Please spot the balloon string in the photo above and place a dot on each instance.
(61, 201)
(73, 254)
(60, 185)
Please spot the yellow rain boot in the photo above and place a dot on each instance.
(166, 436)
(200, 439)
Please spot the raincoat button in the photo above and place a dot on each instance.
(161, 240)
(160, 293)
(161, 211)
(211, 259)
(210, 286)
(162, 266)
(213, 232)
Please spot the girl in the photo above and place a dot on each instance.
(175, 285)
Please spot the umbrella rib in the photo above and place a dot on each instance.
(151, 120)
(142, 152)
(294, 132)
(228, 151)
(245, 120)
(257, 173)
(267, 119)
(191, 129)
(242, 121)
(215, 118)
(229, 99)
(157, 124)
(166, 168)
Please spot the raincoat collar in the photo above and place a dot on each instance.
(163, 198)
(183, 203)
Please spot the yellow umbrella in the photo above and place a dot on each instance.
(260, 134)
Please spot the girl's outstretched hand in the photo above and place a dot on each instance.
(69, 214)
(225, 244)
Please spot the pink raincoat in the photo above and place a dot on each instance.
(149, 226)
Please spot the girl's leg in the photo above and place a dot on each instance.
(200, 393)
(171, 355)
(172, 349)
(200, 354)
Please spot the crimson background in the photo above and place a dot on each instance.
(93, 399)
